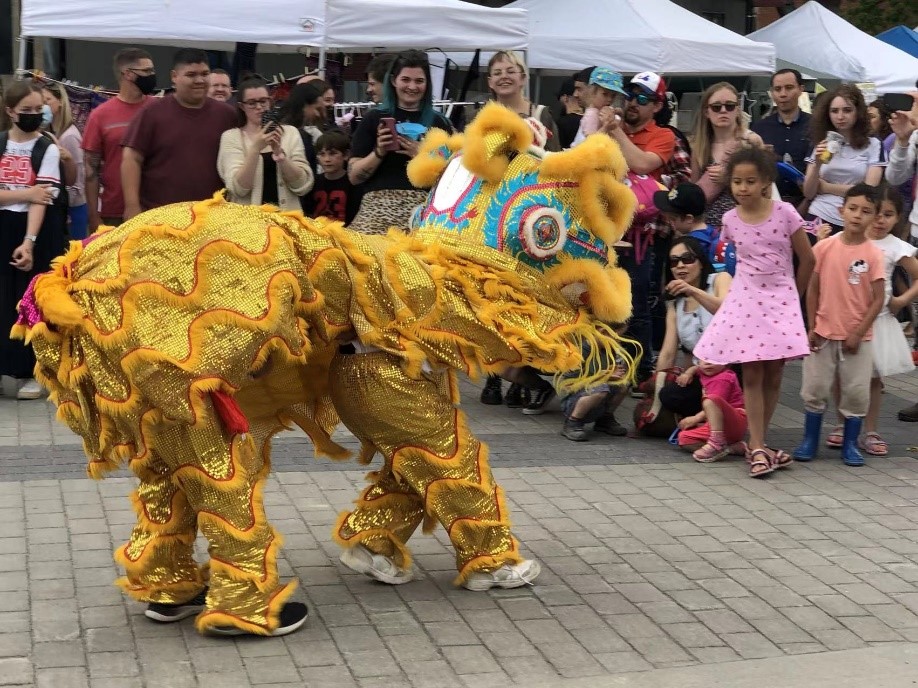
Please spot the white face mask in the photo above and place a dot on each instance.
(46, 115)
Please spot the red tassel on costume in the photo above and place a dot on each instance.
(234, 420)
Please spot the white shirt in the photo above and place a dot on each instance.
(16, 171)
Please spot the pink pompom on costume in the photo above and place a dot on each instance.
(760, 320)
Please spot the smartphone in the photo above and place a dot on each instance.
(270, 117)
(898, 102)
(389, 123)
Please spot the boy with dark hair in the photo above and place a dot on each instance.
(844, 297)
(170, 148)
(333, 196)
(684, 208)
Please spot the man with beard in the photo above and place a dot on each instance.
(103, 133)
(646, 146)
(170, 149)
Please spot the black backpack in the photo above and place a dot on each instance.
(38, 154)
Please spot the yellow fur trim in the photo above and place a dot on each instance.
(427, 166)
(183, 589)
(212, 619)
(495, 132)
(597, 152)
(609, 288)
(402, 556)
(264, 581)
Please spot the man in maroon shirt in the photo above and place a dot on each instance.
(170, 148)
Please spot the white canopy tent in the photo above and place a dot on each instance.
(635, 36)
(818, 38)
(280, 25)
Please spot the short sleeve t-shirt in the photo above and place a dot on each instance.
(337, 199)
(724, 385)
(764, 248)
(16, 171)
(894, 250)
(392, 171)
(848, 166)
(846, 275)
(655, 139)
(179, 146)
(102, 135)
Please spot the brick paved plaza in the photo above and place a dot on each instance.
(657, 571)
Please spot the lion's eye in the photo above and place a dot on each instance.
(542, 232)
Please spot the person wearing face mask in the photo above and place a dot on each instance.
(68, 139)
(103, 133)
(171, 146)
(29, 182)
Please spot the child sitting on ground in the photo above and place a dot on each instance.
(684, 209)
(333, 196)
(720, 427)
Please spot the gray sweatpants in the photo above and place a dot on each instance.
(853, 370)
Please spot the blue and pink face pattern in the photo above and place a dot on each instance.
(534, 218)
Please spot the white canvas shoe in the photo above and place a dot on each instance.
(507, 576)
(30, 390)
(360, 559)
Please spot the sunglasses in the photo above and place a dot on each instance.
(720, 107)
(641, 98)
(685, 259)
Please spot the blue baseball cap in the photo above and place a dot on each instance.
(608, 79)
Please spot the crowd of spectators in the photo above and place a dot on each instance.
(138, 152)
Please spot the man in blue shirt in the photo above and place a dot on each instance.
(787, 130)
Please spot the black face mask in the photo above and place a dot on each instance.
(146, 83)
(29, 122)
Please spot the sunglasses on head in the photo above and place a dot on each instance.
(641, 98)
(720, 107)
(685, 259)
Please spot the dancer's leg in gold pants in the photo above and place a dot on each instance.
(433, 466)
(197, 478)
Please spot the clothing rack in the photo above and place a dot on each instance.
(444, 107)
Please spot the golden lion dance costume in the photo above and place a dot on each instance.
(181, 341)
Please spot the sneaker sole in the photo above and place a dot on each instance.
(526, 579)
(233, 632)
(365, 569)
(183, 614)
(533, 412)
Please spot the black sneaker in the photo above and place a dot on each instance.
(491, 394)
(292, 616)
(575, 430)
(609, 425)
(539, 400)
(517, 396)
(170, 613)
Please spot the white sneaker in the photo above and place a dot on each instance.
(507, 576)
(360, 559)
(30, 390)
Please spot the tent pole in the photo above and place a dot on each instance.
(322, 51)
(23, 55)
(538, 86)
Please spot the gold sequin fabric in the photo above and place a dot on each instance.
(434, 468)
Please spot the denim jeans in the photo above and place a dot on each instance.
(640, 327)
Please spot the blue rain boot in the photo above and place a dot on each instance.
(810, 445)
(850, 455)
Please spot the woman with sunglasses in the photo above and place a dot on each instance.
(694, 292)
(261, 161)
(720, 130)
(845, 155)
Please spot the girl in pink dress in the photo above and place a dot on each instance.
(760, 324)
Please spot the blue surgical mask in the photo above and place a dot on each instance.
(46, 115)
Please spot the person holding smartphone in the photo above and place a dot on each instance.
(387, 138)
(261, 161)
